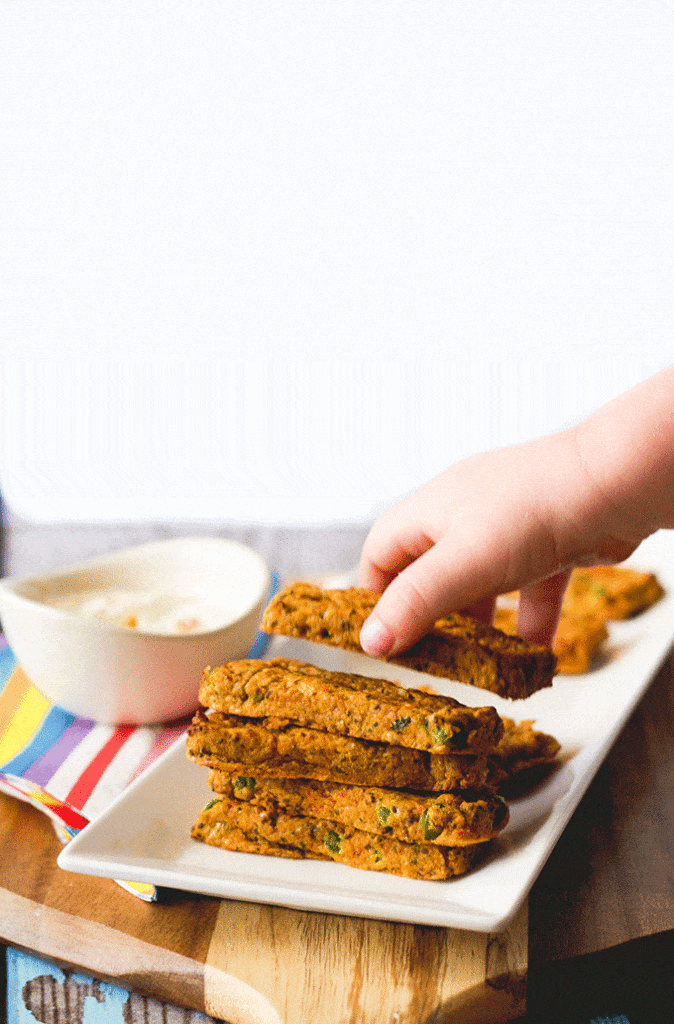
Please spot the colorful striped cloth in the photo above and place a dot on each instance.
(78, 761)
(70, 767)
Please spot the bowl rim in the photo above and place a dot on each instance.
(9, 585)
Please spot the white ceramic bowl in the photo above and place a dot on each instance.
(121, 675)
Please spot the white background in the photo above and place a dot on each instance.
(283, 261)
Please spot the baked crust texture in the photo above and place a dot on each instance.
(611, 591)
(349, 705)
(524, 747)
(578, 639)
(274, 748)
(226, 823)
(457, 648)
(447, 819)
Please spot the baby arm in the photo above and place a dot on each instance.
(521, 518)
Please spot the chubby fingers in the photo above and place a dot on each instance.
(393, 551)
(482, 610)
(539, 607)
(420, 594)
(393, 543)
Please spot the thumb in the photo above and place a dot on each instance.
(434, 583)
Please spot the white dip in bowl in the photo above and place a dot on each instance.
(124, 638)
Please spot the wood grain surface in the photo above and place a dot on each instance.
(607, 884)
(318, 967)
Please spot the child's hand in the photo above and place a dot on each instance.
(521, 518)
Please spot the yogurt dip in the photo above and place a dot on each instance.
(149, 611)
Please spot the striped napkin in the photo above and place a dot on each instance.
(78, 761)
(69, 767)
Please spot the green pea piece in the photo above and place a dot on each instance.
(258, 696)
(333, 842)
(244, 783)
(383, 815)
(443, 737)
(428, 828)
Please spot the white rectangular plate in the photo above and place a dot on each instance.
(144, 835)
